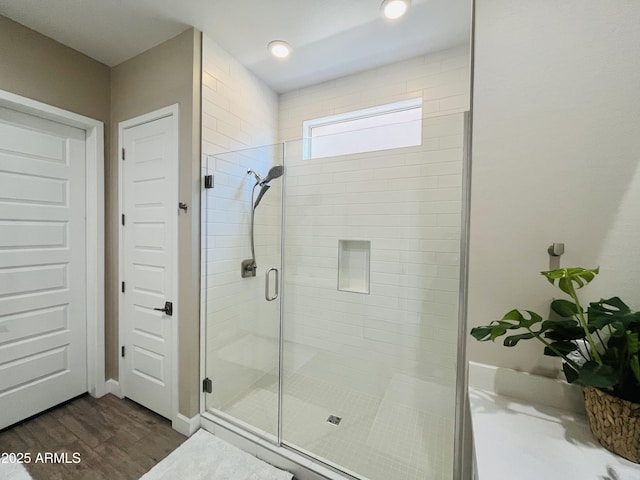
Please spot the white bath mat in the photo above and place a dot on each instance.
(203, 456)
(13, 471)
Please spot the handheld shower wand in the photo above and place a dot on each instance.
(263, 190)
(248, 266)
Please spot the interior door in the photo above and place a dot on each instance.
(149, 311)
(43, 358)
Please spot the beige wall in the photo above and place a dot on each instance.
(40, 68)
(556, 157)
(162, 76)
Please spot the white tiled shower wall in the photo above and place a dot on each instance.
(238, 110)
(407, 202)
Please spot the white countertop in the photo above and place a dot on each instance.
(517, 439)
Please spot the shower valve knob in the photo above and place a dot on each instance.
(248, 268)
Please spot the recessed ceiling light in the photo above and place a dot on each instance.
(393, 9)
(279, 48)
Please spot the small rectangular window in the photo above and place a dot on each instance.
(394, 125)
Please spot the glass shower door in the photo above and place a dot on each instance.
(242, 239)
(370, 320)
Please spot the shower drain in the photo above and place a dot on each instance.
(334, 419)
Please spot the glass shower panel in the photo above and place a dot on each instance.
(242, 326)
(370, 319)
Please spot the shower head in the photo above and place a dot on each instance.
(275, 172)
(263, 190)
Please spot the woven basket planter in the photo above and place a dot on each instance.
(614, 422)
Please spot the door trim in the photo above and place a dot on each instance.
(94, 233)
(170, 111)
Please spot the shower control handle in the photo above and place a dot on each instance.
(266, 284)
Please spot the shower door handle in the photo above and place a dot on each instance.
(266, 284)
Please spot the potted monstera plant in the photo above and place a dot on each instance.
(599, 346)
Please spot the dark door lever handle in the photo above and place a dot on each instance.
(168, 308)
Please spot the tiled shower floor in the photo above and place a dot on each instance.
(380, 438)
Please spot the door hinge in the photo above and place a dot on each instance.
(122, 287)
(123, 219)
(207, 385)
(208, 181)
(123, 154)
(122, 351)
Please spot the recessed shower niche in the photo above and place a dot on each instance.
(354, 265)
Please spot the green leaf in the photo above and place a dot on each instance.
(594, 375)
(611, 306)
(575, 333)
(632, 343)
(563, 348)
(617, 341)
(616, 304)
(635, 367)
(562, 323)
(498, 331)
(566, 335)
(614, 312)
(492, 331)
(570, 373)
(597, 321)
(512, 320)
(565, 329)
(570, 279)
(482, 334)
(522, 321)
(513, 340)
(564, 308)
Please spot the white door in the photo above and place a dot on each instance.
(150, 209)
(43, 354)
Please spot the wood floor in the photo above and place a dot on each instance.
(115, 439)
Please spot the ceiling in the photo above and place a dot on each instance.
(330, 38)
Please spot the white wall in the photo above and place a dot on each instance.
(406, 201)
(238, 113)
(555, 157)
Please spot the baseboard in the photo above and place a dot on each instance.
(113, 386)
(186, 426)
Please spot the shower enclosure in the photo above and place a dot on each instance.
(344, 345)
